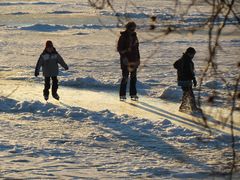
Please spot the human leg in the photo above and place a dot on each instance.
(46, 87)
(133, 81)
(123, 86)
(185, 100)
(55, 87)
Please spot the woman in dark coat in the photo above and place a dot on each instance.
(128, 48)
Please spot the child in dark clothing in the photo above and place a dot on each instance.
(186, 78)
(49, 60)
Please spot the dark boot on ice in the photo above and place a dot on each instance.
(46, 94)
(55, 96)
(123, 98)
(134, 97)
(46, 97)
(185, 109)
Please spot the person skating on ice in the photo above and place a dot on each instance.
(128, 48)
(186, 79)
(49, 60)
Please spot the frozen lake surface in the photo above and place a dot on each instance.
(75, 139)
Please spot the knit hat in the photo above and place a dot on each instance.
(191, 50)
(130, 25)
(49, 44)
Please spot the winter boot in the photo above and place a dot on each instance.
(134, 97)
(55, 96)
(123, 98)
(45, 97)
(45, 94)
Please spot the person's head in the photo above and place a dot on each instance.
(49, 46)
(131, 26)
(190, 52)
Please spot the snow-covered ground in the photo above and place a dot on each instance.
(95, 138)
(89, 134)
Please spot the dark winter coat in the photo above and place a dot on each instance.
(185, 68)
(49, 63)
(128, 48)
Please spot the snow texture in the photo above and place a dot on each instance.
(82, 138)
(75, 138)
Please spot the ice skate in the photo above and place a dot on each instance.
(123, 98)
(134, 98)
(55, 96)
(45, 97)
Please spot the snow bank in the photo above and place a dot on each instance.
(191, 19)
(138, 15)
(25, 3)
(44, 3)
(90, 82)
(165, 127)
(39, 108)
(6, 104)
(87, 82)
(55, 27)
(11, 105)
(44, 28)
(123, 14)
(214, 84)
(172, 93)
(18, 13)
(62, 12)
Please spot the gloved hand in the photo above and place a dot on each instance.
(36, 74)
(194, 82)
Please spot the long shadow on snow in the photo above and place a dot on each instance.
(159, 111)
(142, 137)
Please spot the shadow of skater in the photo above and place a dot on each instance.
(143, 137)
(140, 136)
(168, 115)
(186, 120)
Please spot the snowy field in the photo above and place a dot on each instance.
(89, 134)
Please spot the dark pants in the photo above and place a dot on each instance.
(47, 85)
(133, 81)
(188, 99)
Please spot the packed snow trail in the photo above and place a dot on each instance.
(97, 100)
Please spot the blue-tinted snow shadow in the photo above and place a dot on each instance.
(156, 110)
(145, 139)
(26, 3)
(56, 27)
(153, 172)
(138, 135)
(63, 12)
